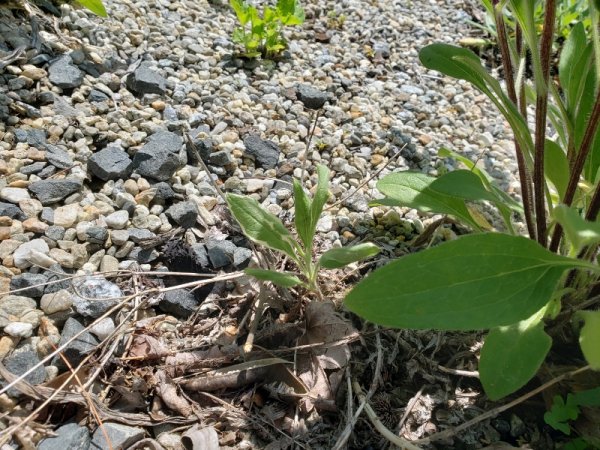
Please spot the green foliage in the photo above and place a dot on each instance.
(266, 229)
(94, 6)
(561, 412)
(261, 35)
(508, 284)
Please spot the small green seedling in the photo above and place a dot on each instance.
(266, 229)
(94, 6)
(261, 36)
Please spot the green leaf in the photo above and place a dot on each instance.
(486, 179)
(462, 184)
(260, 226)
(589, 397)
(572, 65)
(556, 167)
(321, 194)
(340, 257)
(560, 414)
(415, 190)
(512, 355)
(302, 215)
(290, 12)
(589, 337)
(475, 282)
(579, 231)
(283, 279)
(241, 9)
(94, 6)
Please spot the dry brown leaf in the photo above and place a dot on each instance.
(197, 438)
(322, 367)
(147, 347)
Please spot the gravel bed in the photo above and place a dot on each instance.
(94, 161)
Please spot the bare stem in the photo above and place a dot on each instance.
(508, 66)
(582, 154)
(540, 122)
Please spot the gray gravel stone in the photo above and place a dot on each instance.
(311, 97)
(53, 191)
(110, 163)
(19, 362)
(183, 213)
(146, 80)
(36, 137)
(76, 350)
(33, 168)
(32, 283)
(242, 257)
(64, 74)
(58, 157)
(180, 302)
(96, 235)
(159, 158)
(137, 235)
(94, 296)
(265, 153)
(143, 255)
(200, 256)
(163, 192)
(12, 211)
(220, 253)
(120, 436)
(70, 436)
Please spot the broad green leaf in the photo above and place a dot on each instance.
(556, 167)
(486, 179)
(340, 257)
(302, 215)
(462, 184)
(321, 194)
(241, 9)
(512, 355)
(283, 279)
(414, 189)
(589, 337)
(475, 282)
(579, 231)
(260, 226)
(290, 12)
(94, 6)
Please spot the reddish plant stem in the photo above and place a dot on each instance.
(540, 123)
(507, 64)
(577, 168)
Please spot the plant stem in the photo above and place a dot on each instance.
(582, 154)
(540, 121)
(512, 94)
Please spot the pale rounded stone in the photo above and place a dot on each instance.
(109, 264)
(103, 328)
(31, 207)
(22, 255)
(35, 225)
(117, 220)
(40, 259)
(19, 329)
(14, 195)
(63, 257)
(66, 216)
(57, 301)
(131, 187)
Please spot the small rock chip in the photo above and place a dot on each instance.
(311, 97)
(70, 436)
(110, 163)
(183, 213)
(265, 153)
(64, 74)
(146, 80)
(53, 191)
(160, 157)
